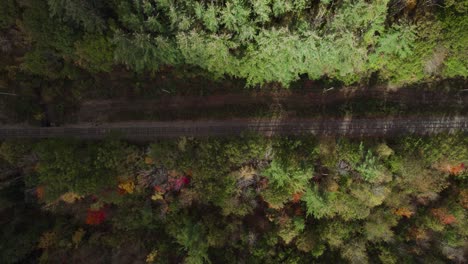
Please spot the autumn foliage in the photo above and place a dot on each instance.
(278, 199)
(464, 198)
(126, 187)
(96, 217)
(403, 212)
(297, 197)
(443, 216)
(177, 183)
(456, 170)
(40, 192)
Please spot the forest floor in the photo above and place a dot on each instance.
(125, 98)
(358, 102)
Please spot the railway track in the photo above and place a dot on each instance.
(335, 127)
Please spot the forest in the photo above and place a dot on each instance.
(250, 198)
(259, 41)
(247, 199)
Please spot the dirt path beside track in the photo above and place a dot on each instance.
(164, 108)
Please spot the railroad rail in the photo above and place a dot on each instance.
(154, 130)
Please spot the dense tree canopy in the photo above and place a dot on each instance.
(260, 41)
(248, 199)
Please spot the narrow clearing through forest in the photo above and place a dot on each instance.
(268, 127)
(302, 104)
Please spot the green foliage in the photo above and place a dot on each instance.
(191, 237)
(422, 182)
(394, 56)
(355, 252)
(386, 257)
(316, 204)
(379, 226)
(234, 15)
(458, 6)
(436, 49)
(8, 13)
(262, 41)
(210, 19)
(455, 39)
(284, 182)
(35, 63)
(291, 229)
(370, 169)
(335, 233)
(95, 53)
(262, 10)
(235, 200)
(276, 56)
(164, 154)
(350, 152)
(67, 166)
(208, 52)
(144, 52)
(81, 12)
(281, 177)
(249, 149)
(134, 217)
(384, 151)
(47, 32)
(53, 44)
(437, 148)
(13, 151)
